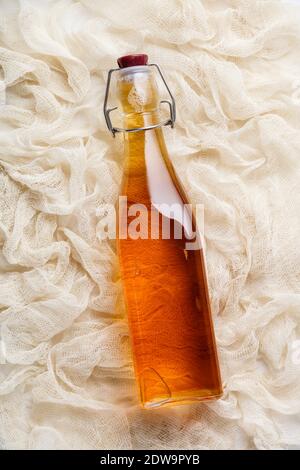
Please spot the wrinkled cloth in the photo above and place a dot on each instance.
(66, 376)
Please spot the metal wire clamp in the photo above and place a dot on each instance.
(107, 111)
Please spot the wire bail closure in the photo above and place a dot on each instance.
(107, 111)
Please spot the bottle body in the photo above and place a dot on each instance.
(165, 283)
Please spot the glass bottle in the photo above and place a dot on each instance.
(165, 285)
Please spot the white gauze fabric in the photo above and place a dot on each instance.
(66, 377)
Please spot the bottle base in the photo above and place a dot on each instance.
(184, 399)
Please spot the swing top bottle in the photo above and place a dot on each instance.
(164, 279)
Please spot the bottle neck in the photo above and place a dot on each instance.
(139, 102)
(138, 97)
(140, 121)
(139, 145)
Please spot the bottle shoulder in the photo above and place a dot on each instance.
(149, 169)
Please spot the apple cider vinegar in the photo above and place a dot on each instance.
(165, 285)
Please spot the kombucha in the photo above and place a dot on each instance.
(165, 285)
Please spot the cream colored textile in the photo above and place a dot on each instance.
(66, 372)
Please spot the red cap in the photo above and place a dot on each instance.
(131, 60)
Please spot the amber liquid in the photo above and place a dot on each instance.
(165, 285)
